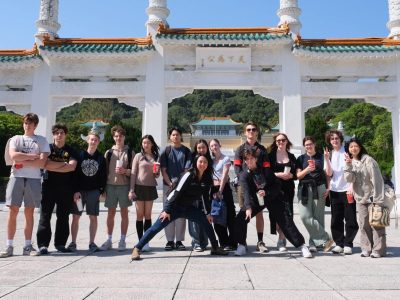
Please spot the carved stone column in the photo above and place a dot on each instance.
(47, 24)
(394, 19)
(158, 13)
(289, 13)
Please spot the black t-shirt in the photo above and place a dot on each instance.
(64, 154)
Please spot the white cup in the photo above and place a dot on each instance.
(119, 163)
(260, 199)
(287, 170)
(79, 204)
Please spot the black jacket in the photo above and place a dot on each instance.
(248, 180)
(189, 191)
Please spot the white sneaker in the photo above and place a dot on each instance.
(121, 245)
(306, 252)
(375, 255)
(146, 248)
(7, 252)
(347, 250)
(281, 245)
(30, 251)
(107, 245)
(240, 251)
(337, 250)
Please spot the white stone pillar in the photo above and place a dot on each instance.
(158, 13)
(396, 145)
(155, 112)
(41, 101)
(394, 18)
(291, 114)
(48, 20)
(289, 13)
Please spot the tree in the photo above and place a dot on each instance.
(372, 125)
(316, 126)
(10, 125)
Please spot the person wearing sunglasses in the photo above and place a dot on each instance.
(344, 225)
(251, 132)
(283, 165)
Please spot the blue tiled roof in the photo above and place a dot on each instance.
(208, 122)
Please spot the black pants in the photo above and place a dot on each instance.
(342, 211)
(280, 214)
(63, 197)
(224, 238)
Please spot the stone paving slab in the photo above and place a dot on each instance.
(186, 274)
(33, 293)
(133, 293)
(257, 294)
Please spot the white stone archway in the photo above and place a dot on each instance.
(149, 72)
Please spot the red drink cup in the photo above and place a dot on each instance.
(311, 163)
(156, 167)
(350, 198)
(18, 166)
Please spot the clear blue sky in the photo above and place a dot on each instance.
(126, 18)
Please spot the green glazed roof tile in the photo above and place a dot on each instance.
(18, 58)
(97, 48)
(223, 36)
(346, 48)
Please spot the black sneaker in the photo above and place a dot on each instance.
(72, 247)
(93, 247)
(43, 250)
(169, 246)
(218, 251)
(62, 249)
(179, 246)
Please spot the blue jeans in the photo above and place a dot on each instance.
(198, 234)
(188, 212)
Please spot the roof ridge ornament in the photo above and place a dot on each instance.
(157, 12)
(47, 24)
(394, 19)
(289, 13)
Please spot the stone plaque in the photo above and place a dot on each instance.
(223, 59)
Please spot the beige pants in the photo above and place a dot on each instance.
(371, 239)
(175, 231)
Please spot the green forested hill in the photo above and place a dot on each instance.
(242, 106)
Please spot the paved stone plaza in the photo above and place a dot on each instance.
(183, 275)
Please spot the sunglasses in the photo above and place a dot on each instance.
(281, 141)
(251, 129)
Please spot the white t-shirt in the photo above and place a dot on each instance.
(219, 166)
(338, 183)
(28, 144)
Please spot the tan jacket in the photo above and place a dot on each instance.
(366, 178)
(117, 179)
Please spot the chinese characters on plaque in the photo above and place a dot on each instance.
(221, 59)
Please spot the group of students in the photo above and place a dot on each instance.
(74, 180)
(349, 178)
